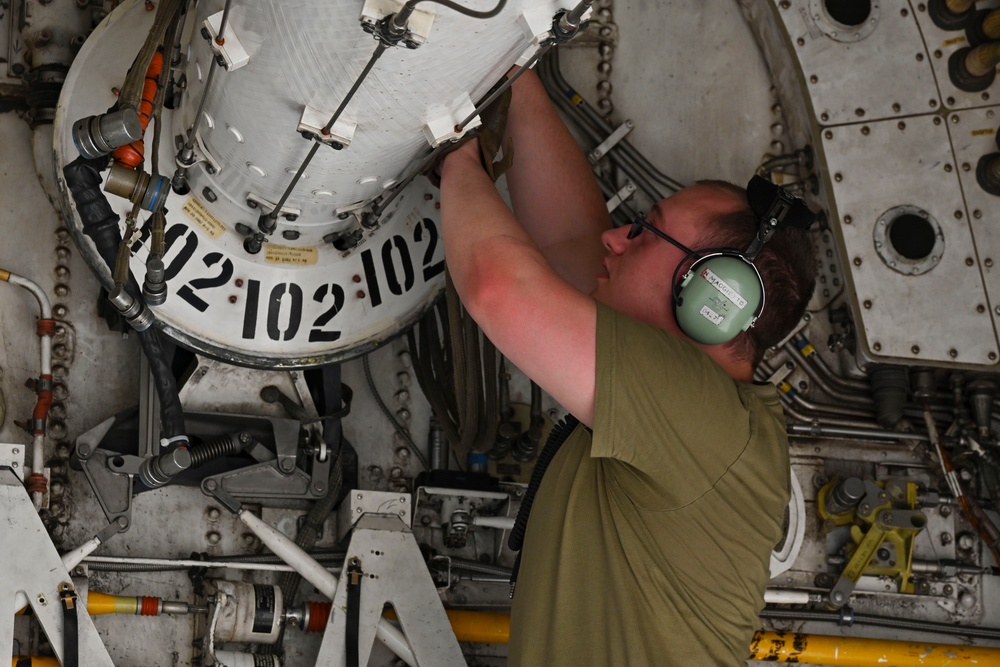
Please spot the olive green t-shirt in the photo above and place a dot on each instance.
(649, 541)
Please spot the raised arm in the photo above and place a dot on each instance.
(542, 323)
(553, 191)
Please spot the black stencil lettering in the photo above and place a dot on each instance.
(318, 334)
(274, 311)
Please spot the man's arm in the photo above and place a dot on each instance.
(552, 188)
(542, 323)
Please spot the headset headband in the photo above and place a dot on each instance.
(775, 208)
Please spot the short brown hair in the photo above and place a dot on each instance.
(787, 265)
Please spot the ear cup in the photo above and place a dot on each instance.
(720, 296)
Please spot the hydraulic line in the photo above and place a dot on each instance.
(268, 222)
(550, 69)
(946, 629)
(863, 401)
(971, 511)
(845, 384)
(138, 605)
(36, 483)
(859, 652)
(820, 430)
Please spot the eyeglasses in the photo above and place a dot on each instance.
(639, 223)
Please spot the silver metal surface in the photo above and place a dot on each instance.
(34, 571)
(393, 572)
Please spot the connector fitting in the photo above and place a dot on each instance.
(96, 136)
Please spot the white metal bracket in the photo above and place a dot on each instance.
(624, 193)
(609, 143)
(394, 572)
(231, 49)
(33, 572)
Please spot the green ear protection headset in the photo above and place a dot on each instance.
(722, 293)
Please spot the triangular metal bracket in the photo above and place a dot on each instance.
(33, 572)
(394, 573)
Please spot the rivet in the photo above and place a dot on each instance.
(356, 278)
(954, 120)
(904, 12)
(987, 262)
(828, 134)
(920, 57)
(859, 112)
(233, 298)
(824, 116)
(937, 120)
(915, 349)
(969, 261)
(937, 53)
(901, 125)
(952, 353)
(838, 177)
(947, 167)
(976, 213)
(876, 346)
(958, 215)
(933, 104)
(896, 107)
(986, 96)
(980, 308)
(813, 79)
(865, 130)
(360, 294)
(868, 303)
(857, 261)
(966, 166)
(800, 41)
(951, 101)
(992, 356)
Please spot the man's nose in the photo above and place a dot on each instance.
(615, 239)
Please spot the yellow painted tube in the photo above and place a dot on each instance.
(857, 652)
(484, 627)
(959, 6)
(4, 275)
(34, 661)
(981, 60)
(102, 603)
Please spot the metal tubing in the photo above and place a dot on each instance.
(858, 652)
(317, 575)
(845, 384)
(814, 374)
(820, 430)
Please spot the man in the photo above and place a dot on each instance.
(650, 536)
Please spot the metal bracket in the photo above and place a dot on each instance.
(234, 55)
(389, 555)
(275, 477)
(33, 574)
(617, 135)
(626, 191)
(113, 489)
(12, 456)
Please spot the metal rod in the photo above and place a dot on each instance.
(820, 430)
(507, 84)
(189, 144)
(220, 39)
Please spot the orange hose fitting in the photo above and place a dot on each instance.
(319, 614)
(131, 155)
(36, 483)
(46, 327)
(42, 405)
(149, 606)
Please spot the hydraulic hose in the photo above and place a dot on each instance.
(36, 483)
(100, 223)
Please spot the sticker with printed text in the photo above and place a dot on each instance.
(712, 316)
(723, 287)
(208, 223)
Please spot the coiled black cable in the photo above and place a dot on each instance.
(557, 437)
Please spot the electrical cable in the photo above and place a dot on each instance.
(490, 13)
(385, 410)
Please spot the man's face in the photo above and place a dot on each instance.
(637, 272)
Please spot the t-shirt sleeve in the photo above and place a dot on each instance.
(668, 421)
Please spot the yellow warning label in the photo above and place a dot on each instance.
(985, 132)
(285, 254)
(202, 217)
(960, 39)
